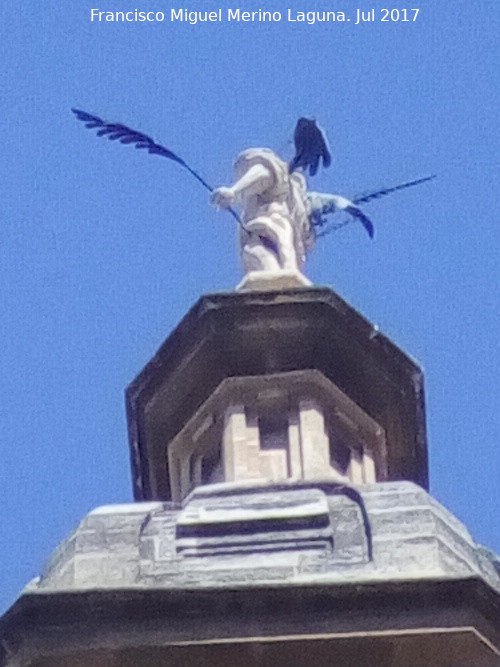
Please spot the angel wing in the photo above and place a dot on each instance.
(310, 147)
(323, 204)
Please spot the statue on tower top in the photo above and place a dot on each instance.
(278, 214)
(280, 219)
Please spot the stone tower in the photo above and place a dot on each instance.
(281, 513)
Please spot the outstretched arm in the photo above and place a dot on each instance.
(253, 182)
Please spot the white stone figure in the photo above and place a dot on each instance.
(280, 220)
(276, 233)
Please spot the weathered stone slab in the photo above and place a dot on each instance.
(259, 533)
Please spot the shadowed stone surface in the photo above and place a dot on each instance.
(260, 571)
(257, 334)
(286, 568)
(232, 533)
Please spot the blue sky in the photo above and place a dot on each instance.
(104, 249)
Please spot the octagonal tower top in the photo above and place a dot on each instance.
(290, 384)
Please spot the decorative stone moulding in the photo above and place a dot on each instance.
(295, 425)
(283, 384)
(274, 566)
(272, 281)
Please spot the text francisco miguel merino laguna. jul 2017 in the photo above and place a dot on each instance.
(193, 17)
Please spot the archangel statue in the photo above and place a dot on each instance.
(275, 233)
(278, 214)
(280, 219)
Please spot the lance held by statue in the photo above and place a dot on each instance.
(280, 219)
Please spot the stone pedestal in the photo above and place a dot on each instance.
(277, 384)
(272, 281)
(264, 574)
(279, 464)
